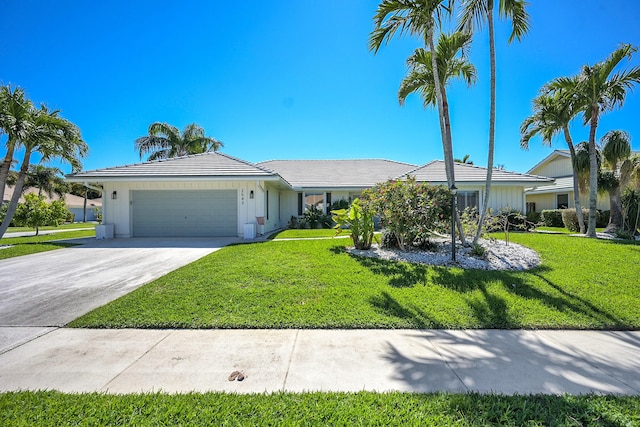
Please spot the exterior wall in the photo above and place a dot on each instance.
(560, 166)
(118, 211)
(78, 213)
(548, 201)
(500, 196)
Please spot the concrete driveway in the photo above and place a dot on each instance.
(50, 289)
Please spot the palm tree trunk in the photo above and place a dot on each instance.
(615, 219)
(84, 206)
(576, 189)
(593, 173)
(492, 123)
(17, 190)
(6, 166)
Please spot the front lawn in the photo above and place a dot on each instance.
(582, 283)
(50, 408)
(303, 233)
(18, 246)
(72, 225)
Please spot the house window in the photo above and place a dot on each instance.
(562, 201)
(467, 199)
(531, 207)
(314, 199)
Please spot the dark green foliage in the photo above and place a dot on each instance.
(602, 218)
(339, 204)
(358, 219)
(534, 218)
(52, 408)
(313, 216)
(631, 210)
(552, 218)
(389, 239)
(570, 219)
(478, 250)
(410, 210)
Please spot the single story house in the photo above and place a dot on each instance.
(74, 203)
(214, 194)
(559, 193)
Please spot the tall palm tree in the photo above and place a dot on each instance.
(597, 91)
(53, 138)
(15, 122)
(552, 114)
(418, 18)
(165, 141)
(474, 14)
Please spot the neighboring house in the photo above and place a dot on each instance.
(74, 203)
(214, 194)
(558, 194)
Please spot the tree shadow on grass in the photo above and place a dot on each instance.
(491, 308)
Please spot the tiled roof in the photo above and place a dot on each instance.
(434, 172)
(561, 184)
(357, 173)
(195, 166)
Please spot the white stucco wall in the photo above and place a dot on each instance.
(560, 166)
(118, 211)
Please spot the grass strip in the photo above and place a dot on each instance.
(581, 284)
(19, 246)
(51, 227)
(50, 408)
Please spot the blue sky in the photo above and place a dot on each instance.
(292, 79)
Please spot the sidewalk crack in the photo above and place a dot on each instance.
(293, 347)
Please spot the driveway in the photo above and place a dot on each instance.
(50, 289)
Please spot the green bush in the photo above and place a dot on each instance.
(552, 218)
(410, 210)
(389, 239)
(570, 219)
(359, 220)
(602, 220)
(313, 216)
(534, 217)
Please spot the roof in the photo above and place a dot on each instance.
(434, 172)
(553, 155)
(355, 173)
(71, 200)
(561, 184)
(206, 165)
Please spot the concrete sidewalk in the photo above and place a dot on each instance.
(500, 361)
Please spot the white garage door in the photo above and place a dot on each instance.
(184, 213)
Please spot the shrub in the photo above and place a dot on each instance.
(552, 218)
(389, 239)
(570, 219)
(602, 220)
(359, 220)
(293, 222)
(631, 209)
(410, 210)
(534, 218)
(340, 204)
(36, 212)
(313, 216)
(478, 250)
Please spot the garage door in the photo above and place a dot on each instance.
(189, 213)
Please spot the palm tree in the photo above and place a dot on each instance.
(598, 91)
(616, 153)
(15, 122)
(552, 114)
(52, 137)
(85, 192)
(420, 18)
(46, 179)
(165, 141)
(465, 160)
(474, 14)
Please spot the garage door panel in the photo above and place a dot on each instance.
(184, 213)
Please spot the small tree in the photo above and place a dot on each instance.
(358, 218)
(34, 212)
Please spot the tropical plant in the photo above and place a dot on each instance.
(465, 160)
(552, 114)
(410, 210)
(596, 90)
(15, 122)
(165, 141)
(53, 138)
(46, 179)
(474, 14)
(35, 212)
(358, 219)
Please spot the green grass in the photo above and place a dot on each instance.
(562, 230)
(42, 243)
(50, 408)
(60, 227)
(582, 283)
(303, 234)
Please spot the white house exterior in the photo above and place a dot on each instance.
(214, 194)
